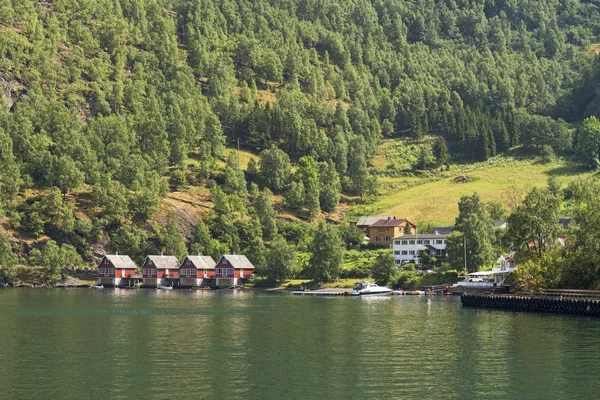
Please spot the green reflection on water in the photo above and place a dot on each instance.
(116, 344)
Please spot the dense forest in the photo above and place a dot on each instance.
(106, 105)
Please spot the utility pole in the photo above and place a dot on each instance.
(465, 252)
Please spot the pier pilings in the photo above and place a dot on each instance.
(555, 305)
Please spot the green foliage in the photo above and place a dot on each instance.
(589, 141)
(7, 257)
(178, 178)
(266, 214)
(533, 225)
(327, 253)
(170, 239)
(274, 168)
(384, 268)
(280, 260)
(351, 235)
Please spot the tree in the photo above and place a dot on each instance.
(266, 214)
(589, 141)
(327, 253)
(280, 260)
(351, 235)
(329, 197)
(533, 225)
(384, 267)
(496, 210)
(7, 257)
(440, 151)
(275, 169)
(477, 229)
(66, 175)
(309, 176)
(171, 240)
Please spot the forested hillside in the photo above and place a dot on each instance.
(107, 105)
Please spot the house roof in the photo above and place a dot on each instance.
(237, 261)
(443, 230)
(371, 219)
(201, 262)
(565, 222)
(421, 236)
(164, 262)
(389, 223)
(119, 261)
(500, 224)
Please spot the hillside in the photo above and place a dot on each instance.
(118, 118)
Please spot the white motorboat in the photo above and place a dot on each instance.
(369, 289)
(164, 287)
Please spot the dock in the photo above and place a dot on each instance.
(323, 292)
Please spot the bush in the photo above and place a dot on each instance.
(178, 178)
(547, 154)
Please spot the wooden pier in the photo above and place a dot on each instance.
(323, 292)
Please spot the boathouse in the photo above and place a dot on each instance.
(115, 270)
(160, 270)
(231, 269)
(194, 270)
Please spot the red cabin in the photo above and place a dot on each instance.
(112, 269)
(231, 268)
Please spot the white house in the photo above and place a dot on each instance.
(410, 248)
(493, 278)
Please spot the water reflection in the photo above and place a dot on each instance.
(115, 343)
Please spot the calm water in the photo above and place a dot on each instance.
(146, 344)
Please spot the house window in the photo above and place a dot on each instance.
(397, 252)
(398, 262)
(411, 242)
(387, 238)
(187, 261)
(397, 242)
(224, 261)
(405, 242)
(411, 252)
(386, 229)
(106, 261)
(427, 241)
(377, 238)
(439, 241)
(149, 262)
(419, 242)
(404, 252)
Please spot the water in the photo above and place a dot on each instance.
(148, 344)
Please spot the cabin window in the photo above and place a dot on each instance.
(149, 262)
(187, 261)
(405, 242)
(224, 261)
(106, 261)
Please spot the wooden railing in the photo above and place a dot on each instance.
(589, 294)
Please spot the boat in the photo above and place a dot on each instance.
(415, 293)
(98, 286)
(164, 287)
(369, 289)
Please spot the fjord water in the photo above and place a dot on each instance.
(148, 344)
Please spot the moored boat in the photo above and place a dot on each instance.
(369, 289)
(164, 287)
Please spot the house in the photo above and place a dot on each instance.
(565, 222)
(365, 222)
(443, 230)
(500, 224)
(381, 232)
(195, 269)
(114, 269)
(507, 263)
(410, 248)
(160, 270)
(231, 268)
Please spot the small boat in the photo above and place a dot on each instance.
(415, 293)
(98, 286)
(369, 289)
(164, 287)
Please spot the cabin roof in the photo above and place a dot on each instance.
(390, 223)
(163, 262)
(369, 220)
(119, 261)
(201, 262)
(237, 261)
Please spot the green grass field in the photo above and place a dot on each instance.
(435, 198)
